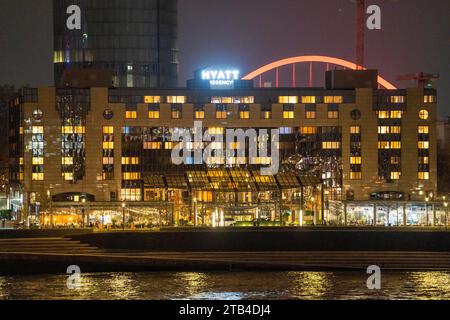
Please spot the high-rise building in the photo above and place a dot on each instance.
(136, 39)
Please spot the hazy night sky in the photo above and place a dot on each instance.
(415, 37)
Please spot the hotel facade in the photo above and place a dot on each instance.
(92, 156)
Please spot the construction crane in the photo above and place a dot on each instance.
(423, 79)
(360, 32)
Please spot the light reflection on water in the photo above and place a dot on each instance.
(229, 286)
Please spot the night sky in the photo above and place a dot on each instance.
(415, 37)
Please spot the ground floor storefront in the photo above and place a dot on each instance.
(388, 213)
(271, 213)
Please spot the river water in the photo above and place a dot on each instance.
(229, 286)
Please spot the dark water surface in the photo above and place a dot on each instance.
(229, 286)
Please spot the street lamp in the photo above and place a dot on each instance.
(123, 216)
(84, 212)
(195, 212)
(314, 210)
(426, 209)
(49, 196)
(446, 214)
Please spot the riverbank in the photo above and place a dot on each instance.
(228, 250)
(273, 239)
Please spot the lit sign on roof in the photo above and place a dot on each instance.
(221, 78)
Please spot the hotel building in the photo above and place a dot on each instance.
(354, 156)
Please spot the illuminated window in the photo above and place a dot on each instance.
(108, 160)
(152, 145)
(244, 115)
(21, 130)
(266, 115)
(199, 114)
(130, 195)
(387, 129)
(308, 99)
(288, 114)
(263, 160)
(176, 114)
(223, 100)
(355, 175)
(67, 130)
(333, 114)
(424, 129)
(37, 176)
(311, 115)
(108, 145)
(176, 99)
(286, 130)
(396, 114)
(308, 130)
(429, 99)
(424, 145)
(37, 130)
(38, 160)
(71, 130)
(131, 115)
(221, 114)
(355, 160)
(331, 145)
(153, 114)
(424, 114)
(395, 160)
(215, 131)
(355, 129)
(168, 145)
(424, 160)
(247, 99)
(233, 100)
(383, 129)
(288, 99)
(396, 129)
(152, 99)
(130, 160)
(396, 145)
(383, 114)
(383, 145)
(234, 145)
(397, 99)
(131, 176)
(423, 175)
(67, 176)
(333, 99)
(395, 175)
(108, 130)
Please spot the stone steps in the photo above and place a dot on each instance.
(46, 245)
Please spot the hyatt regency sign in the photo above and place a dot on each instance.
(221, 78)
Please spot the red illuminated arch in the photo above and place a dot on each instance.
(322, 59)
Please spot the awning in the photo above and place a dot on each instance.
(228, 180)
